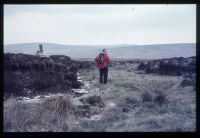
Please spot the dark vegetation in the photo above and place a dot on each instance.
(26, 75)
(157, 97)
(174, 66)
(93, 100)
(177, 66)
(85, 64)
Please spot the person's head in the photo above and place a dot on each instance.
(104, 51)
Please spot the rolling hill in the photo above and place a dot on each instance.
(126, 51)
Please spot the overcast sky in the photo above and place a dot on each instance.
(100, 24)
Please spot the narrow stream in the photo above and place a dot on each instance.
(40, 98)
(83, 88)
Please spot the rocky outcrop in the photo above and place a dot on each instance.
(174, 66)
(28, 74)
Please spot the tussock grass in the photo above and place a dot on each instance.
(161, 98)
(108, 120)
(113, 115)
(154, 95)
(14, 115)
(54, 114)
(93, 100)
(147, 96)
(128, 103)
(59, 104)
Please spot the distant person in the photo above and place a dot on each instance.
(41, 49)
(40, 52)
(102, 61)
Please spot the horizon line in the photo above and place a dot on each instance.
(97, 44)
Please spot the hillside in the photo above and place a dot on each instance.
(115, 51)
(140, 96)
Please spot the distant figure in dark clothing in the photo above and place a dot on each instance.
(40, 52)
(102, 61)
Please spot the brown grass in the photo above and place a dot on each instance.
(54, 114)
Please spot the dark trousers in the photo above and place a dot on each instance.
(103, 75)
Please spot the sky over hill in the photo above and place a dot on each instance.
(100, 24)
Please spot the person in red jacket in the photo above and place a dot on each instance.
(102, 62)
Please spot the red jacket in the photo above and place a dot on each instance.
(106, 61)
